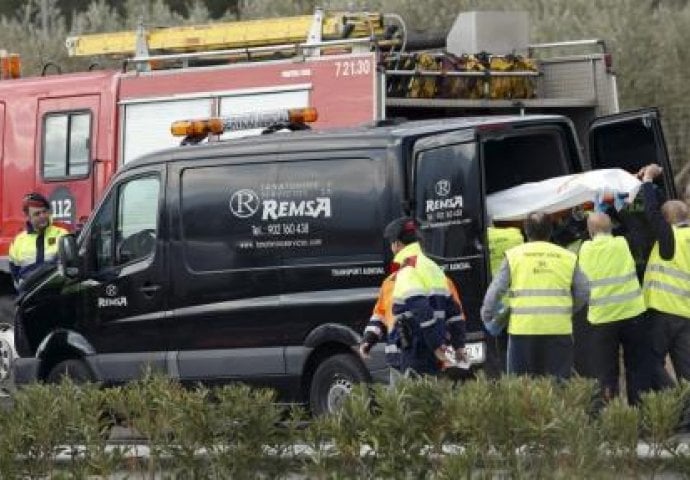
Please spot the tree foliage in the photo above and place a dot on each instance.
(647, 37)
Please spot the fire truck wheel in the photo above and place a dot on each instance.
(75, 370)
(333, 382)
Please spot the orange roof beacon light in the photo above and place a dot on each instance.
(195, 131)
(10, 65)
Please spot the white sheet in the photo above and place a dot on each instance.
(560, 193)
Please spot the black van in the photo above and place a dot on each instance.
(259, 259)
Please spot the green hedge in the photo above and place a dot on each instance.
(514, 427)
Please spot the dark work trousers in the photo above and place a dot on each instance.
(540, 355)
(496, 352)
(670, 334)
(419, 358)
(585, 362)
(633, 335)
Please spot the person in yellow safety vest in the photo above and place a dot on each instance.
(500, 240)
(38, 243)
(615, 310)
(666, 283)
(544, 287)
(427, 322)
(382, 320)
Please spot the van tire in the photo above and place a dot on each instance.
(332, 382)
(76, 370)
(7, 308)
(7, 353)
(21, 342)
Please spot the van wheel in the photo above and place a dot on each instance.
(7, 343)
(75, 370)
(21, 342)
(333, 382)
(79, 373)
(7, 308)
(6, 353)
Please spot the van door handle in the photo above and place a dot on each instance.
(149, 289)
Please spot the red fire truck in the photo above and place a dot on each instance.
(65, 135)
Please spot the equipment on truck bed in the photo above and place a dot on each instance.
(228, 35)
(444, 75)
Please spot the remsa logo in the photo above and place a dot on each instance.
(244, 203)
(442, 188)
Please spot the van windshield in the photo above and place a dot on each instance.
(525, 157)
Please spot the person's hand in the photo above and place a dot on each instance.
(442, 355)
(364, 349)
(651, 172)
(461, 355)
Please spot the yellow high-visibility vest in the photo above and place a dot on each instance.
(615, 292)
(426, 278)
(500, 240)
(540, 294)
(667, 282)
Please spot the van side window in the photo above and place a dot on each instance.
(222, 217)
(347, 218)
(101, 244)
(125, 227)
(137, 218)
(448, 200)
(629, 145)
(518, 159)
(66, 144)
(300, 212)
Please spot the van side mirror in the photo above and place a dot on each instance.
(68, 256)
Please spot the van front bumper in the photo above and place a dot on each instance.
(26, 370)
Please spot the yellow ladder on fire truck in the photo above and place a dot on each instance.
(227, 35)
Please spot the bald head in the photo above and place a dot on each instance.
(598, 223)
(675, 211)
(538, 227)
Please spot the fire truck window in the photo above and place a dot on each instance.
(55, 147)
(137, 219)
(66, 145)
(80, 130)
(146, 126)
